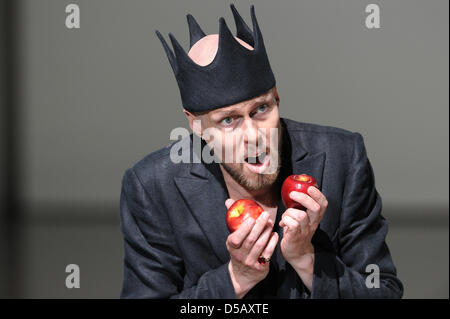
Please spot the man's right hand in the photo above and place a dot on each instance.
(250, 241)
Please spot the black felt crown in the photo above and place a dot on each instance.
(236, 73)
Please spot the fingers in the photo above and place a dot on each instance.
(260, 244)
(249, 231)
(315, 206)
(235, 240)
(270, 247)
(295, 220)
(290, 225)
(260, 225)
(305, 200)
(229, 202)
(317, 196)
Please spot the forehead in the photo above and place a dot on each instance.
(241, 106)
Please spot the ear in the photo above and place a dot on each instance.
(196, 129)
(275, 95)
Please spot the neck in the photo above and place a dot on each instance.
(267, 197)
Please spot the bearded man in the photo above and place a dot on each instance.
(176, 240)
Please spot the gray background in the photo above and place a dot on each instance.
(97, 99)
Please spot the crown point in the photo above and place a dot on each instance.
(242, 30)
(223, 27)
(168, 51)
(252, 10)
(179, 51)
(195, 32)
(190, 18)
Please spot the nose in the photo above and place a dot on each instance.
(250, 135)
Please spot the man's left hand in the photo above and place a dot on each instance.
(299, 226)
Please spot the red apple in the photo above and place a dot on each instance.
(298, 183)
(240, 211)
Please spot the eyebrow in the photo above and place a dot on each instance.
(261, 99)
(223, 114)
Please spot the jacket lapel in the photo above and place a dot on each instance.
(303, 161)
(296, 160)
(311, 165)
(204, 191)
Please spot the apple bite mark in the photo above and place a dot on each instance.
(302, 178)
(237, 212)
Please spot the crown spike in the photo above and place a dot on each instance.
(225, 35)
(256, 31)
(226, 39)
(195, 32)
(243, 31)
(177, 48)
(168, 51)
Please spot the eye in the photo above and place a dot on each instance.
(262, 108)
(227, 121)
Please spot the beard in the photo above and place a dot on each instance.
(254, 181)
(251, 181)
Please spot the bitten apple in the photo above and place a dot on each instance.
(298, 183)
(240, 211)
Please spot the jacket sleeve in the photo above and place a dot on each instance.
(361, 235)
(153, 265)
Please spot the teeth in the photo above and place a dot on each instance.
(260, 158)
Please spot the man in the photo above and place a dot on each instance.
(177, 244)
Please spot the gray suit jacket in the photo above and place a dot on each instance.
(174, 229)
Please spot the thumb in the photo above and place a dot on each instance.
(229, 202)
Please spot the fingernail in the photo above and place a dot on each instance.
(264, 215)
(250, 221)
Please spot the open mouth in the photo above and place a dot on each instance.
(258, 163)
(256, 160)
